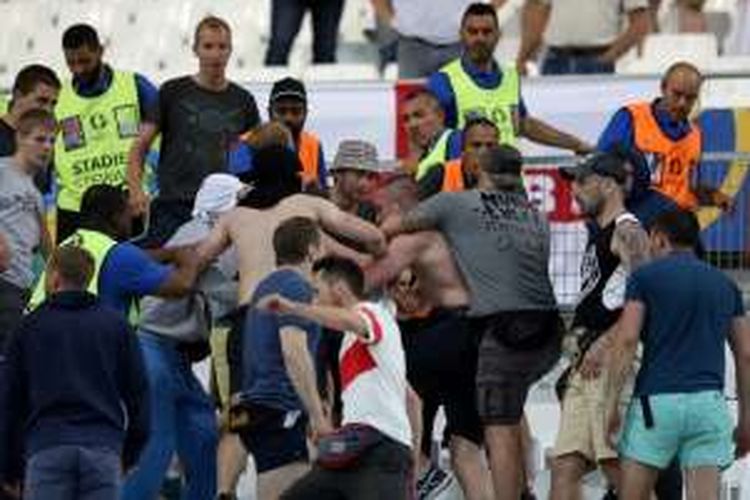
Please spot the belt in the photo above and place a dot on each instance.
(576, 51)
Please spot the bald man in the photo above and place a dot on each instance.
(664, 147)
(441, 353)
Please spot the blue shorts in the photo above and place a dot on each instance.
(275, 438)
(694, 427)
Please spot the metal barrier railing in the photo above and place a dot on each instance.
(725, 234)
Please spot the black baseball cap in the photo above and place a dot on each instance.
(603, 164)
(288, 88)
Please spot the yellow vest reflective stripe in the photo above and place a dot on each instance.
(499, 104)
(95, 136)
(96, 243)
(435, 156)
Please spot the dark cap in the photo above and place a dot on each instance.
(502, 159)
(603, 164)
(288, 88)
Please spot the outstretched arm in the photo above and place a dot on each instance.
(215, 243)
(541, 132)
(402, 252)
(337, 222)
(336, 318)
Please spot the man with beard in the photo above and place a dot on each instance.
(616, 246)
(288, 104)
(475, 84)
(501, 245)
(99, 111)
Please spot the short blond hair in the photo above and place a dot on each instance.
(213, 23)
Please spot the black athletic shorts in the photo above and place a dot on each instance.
(441, 361)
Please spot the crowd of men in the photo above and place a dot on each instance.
(340, 316)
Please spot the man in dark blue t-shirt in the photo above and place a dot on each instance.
(682, 310)
(279, 388)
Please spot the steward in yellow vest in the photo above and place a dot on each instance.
(430, 142)
(99, 112)
(476, 85)
(123, 272)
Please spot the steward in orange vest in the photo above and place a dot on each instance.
(288, 104)
(663, 146)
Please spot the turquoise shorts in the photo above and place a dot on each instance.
(694, 427)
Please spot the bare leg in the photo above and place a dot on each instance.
(232, 459)
(273, 483)
(702, 483)
(527, 445)
(637, 480)
(611, 471)
(506, 462)
(567, 472)
(466, 461)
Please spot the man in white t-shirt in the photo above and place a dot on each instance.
(369, 457)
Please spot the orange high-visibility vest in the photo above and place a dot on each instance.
(677, 159)
(308, 151)
(453, 176)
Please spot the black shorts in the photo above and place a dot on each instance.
(517, 348)
(274, 437)
(441, 361)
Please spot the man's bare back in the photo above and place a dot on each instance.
(429, 256)
(251, 231)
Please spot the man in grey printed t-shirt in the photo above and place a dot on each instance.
(501, 244)
(22, 227)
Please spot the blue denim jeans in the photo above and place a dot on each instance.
(73, 473)
(557, 63)
(286, 20)
(182, 420)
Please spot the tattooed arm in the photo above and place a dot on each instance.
(426, 215)
(630, 243)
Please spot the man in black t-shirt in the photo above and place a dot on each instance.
(35, 87)
(200, 118)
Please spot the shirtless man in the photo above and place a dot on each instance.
(441, 354)
(277, 197)
(250, 227)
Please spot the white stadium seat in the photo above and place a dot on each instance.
(341, 72)
(660, 50)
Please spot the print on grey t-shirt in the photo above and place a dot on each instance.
(501, 244)
(20, 208)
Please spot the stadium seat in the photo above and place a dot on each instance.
(660, 50)
(341, 72)
(729, 65)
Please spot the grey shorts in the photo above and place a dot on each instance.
(516, 350)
